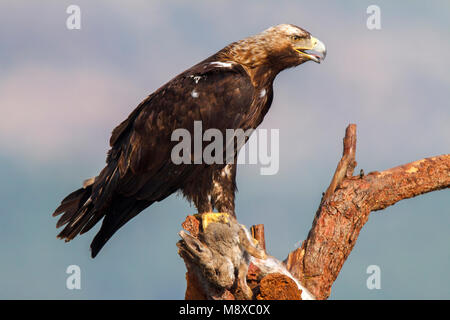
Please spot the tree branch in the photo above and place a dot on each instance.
(347, 163)
(343, 212)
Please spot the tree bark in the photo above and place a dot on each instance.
(313, 267)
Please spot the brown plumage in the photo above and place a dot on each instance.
(139, 170)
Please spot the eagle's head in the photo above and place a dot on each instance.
(280, 47)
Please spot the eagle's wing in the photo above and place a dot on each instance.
(139, 169)
(219, 95)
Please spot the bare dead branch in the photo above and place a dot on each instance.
(344, 212)
(258, 234)
(347, 163)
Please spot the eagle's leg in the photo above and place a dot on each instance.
(223, 189)
(203, 204)
(213, 190)
(197, 189)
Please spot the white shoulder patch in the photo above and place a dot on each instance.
(262, 93)
(194, 94)
(196, 78)
(222, 64)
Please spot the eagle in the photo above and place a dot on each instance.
(232, 89)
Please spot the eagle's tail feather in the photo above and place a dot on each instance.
(71, 201)
(83, 208)
(121, 211)
(77, 208)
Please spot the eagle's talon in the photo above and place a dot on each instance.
(210, 217)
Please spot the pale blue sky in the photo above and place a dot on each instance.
(62, 92)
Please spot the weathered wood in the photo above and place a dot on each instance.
(345, 210)
(258, 234)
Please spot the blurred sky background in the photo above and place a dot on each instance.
(63, 91)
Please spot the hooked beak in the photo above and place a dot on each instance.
(319, 51)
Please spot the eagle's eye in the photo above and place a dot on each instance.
(295, 37)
